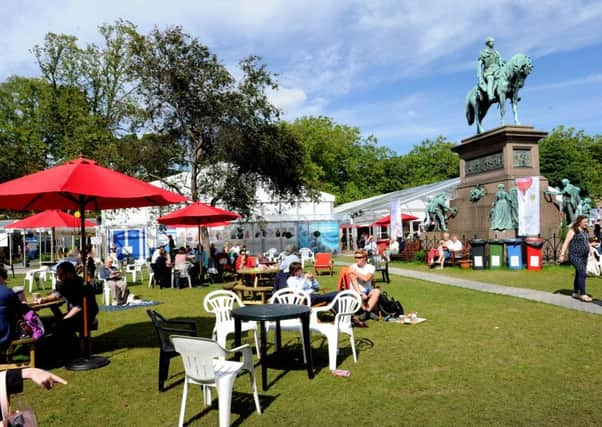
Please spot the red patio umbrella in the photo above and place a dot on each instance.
(52, 218)
(49, 219)
(386, 220)
(198, 214)
(82, 184)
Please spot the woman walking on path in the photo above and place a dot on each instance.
(577, 243)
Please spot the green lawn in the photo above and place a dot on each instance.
(480, 359)
(553, 278)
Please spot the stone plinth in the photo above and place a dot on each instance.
(498, 157)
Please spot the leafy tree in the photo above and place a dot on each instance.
(338, 160)
(190, 96)
(566, 153)
(430, 161)
(22, 126)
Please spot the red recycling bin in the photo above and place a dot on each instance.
(534, 258)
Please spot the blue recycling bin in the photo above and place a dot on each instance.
(514, 253)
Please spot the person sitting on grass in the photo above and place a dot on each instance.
(361, 275)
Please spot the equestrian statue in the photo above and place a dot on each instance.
(498, 81)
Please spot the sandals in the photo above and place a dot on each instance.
(584, 297)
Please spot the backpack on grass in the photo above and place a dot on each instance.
(389, 306)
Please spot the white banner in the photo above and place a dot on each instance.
(528, 205)
(396, 230)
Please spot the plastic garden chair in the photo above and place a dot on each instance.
(220, 303)
(164, 329)
(306, 255)
(346, 303)
(290, 296)
(323, 262)
(205, 365)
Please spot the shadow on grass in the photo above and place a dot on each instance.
(142, 335)
(243, 405)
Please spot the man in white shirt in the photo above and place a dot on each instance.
(455, 247)
(361, 275)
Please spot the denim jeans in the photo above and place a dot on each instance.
(579, 283)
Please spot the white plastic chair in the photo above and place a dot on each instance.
(306, 255)
(135, 268)
(204, 365)
(271, 254)
(221, 303)
(37, 275)
(347, 303)
(181, 271)
(290, 296)
(106, 290)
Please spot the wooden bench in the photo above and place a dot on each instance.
(409, 251)
(9, 352)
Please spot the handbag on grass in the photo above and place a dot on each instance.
(23, 417)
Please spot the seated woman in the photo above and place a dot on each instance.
(11, 309)
(441, 254)
(181, 258)
(394, 247)
(118, 286)
(163, 269)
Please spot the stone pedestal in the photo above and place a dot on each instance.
(498, 157)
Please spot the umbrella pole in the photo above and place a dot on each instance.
(85, 362)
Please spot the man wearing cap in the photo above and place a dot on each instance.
(490, 62)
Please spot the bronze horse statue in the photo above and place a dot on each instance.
(508, 82)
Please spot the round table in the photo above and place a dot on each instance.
(273, 313)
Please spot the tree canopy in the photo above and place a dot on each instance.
(567, 153)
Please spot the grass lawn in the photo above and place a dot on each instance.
(553, 278)
(479, 359)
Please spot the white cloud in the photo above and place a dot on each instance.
(333, 56)
(286, 98)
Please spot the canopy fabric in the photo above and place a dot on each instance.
(197, 214)
(50, 219)
(81, 184)
(212, 224)
(386, 220)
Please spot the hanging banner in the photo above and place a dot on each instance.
(396, 226)
(528, 205)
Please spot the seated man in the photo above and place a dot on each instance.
(119, 291)
(73, 290)
(307, 283)
(455, 247)
(361, 275)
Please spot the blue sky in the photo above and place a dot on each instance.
(399, 70)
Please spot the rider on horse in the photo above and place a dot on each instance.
(490, 64)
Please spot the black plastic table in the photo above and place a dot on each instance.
(273, 313)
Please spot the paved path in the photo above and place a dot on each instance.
(530, 294)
